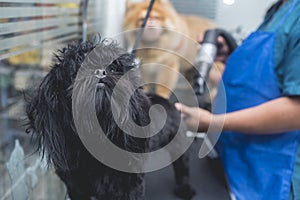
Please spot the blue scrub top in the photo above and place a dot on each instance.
(287, 46)
(287, 62)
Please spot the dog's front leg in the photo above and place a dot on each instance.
(76, 190)
(182, 177)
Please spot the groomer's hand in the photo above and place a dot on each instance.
(223, 49)
(197, 119)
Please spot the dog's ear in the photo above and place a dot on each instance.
(129, 4)
(132, 3)
(49, 111)
(49, 119)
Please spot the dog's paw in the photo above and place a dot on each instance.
(185, 192)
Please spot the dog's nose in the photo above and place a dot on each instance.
(100, 73)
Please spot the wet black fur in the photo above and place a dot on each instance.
(50, 119)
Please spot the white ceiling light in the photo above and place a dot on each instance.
(229, 2)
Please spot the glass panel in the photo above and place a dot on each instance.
(30, 33)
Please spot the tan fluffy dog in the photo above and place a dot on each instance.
(168, 45)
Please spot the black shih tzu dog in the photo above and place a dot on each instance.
(100, 73)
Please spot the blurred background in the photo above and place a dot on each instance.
(31, 30)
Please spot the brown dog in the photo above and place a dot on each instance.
(168, 45)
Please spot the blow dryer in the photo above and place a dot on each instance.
(207, 54)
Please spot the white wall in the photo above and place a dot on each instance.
(245, 13)
(115, 13)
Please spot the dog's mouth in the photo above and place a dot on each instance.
(101, 83)
(106, 81)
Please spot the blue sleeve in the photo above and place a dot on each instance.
(291, 69)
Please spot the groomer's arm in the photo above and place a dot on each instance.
(276, 116)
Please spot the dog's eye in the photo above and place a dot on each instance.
(114, 69)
